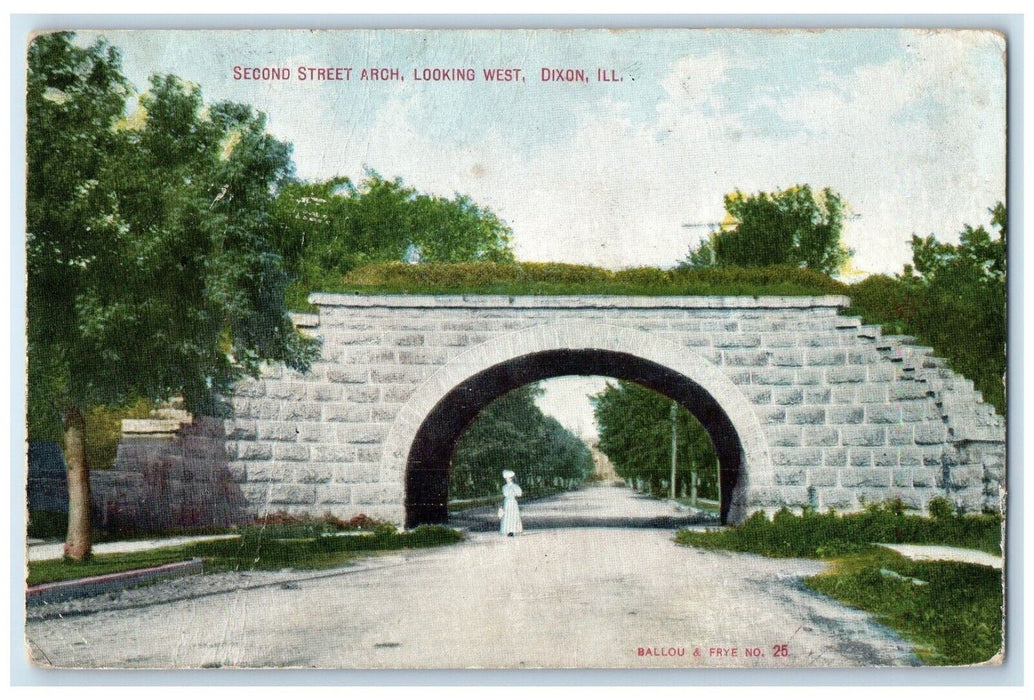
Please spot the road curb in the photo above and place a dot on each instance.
(58, 591)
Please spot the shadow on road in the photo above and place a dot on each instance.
(591, 507)
(488, 522)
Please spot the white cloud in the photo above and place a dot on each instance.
(912, 135)
(617, 192)
(916, 145)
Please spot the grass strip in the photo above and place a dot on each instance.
(950, 611)
(954, 617)
(52, 570)
(257, 548)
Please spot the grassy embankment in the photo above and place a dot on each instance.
(950, 611)
(522, 279)
(271, 547)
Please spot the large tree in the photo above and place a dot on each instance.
(150, 272)
(794, 227)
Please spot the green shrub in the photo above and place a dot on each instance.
(559, 278)
(966, 325)
(315, 524)
(796, 281)
(886, 302)
(47, 525)
(828, 534)
(644, 277)
(386, 530)
(940, 508)
(895, 506)
(460, 276)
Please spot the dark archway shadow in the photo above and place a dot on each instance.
(430, 456)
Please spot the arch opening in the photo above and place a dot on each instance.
(431, 452)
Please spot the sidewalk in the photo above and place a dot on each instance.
(59, 591)
(926, 552)
(50, 593)
(40, 551)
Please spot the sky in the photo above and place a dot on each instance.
(907, 125)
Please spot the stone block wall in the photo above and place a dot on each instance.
(168, 475)
(848, 416)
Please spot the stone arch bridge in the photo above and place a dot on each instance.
(805, 406)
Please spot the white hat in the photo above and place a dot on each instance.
(507, 474)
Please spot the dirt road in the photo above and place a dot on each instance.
(592, 597)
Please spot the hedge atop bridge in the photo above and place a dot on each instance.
(560, 278)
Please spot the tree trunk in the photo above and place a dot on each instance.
(78, 545)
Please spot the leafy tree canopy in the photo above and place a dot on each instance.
(635, 433)
(953, 298)
(149, 271)
(513, 433)
(325, 229)
(793, 227)
(978, 259)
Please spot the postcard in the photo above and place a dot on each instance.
(516, 349)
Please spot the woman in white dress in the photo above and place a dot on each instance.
(510, 522)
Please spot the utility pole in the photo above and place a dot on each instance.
(674, 447)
